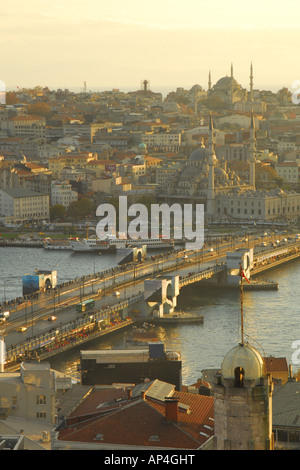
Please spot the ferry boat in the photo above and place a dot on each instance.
(63, 244)
(113, 244)
(90, 244)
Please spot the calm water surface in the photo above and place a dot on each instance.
(271, 318)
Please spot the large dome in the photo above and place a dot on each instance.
(199, 155)
(226, 82)
(245, 357)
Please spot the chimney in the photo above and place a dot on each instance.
(129, 393)
(143, 394)
(171, 407)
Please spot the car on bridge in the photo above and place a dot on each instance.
(52, 318)
(22, 329)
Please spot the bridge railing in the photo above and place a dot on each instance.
(43, 340)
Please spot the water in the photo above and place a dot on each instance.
(271, 318)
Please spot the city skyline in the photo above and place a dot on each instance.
(117, 44)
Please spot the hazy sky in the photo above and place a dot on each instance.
(172, 43)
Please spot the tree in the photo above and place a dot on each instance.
(57, 212)
(39, 109)
(12, 98)
(80, 209)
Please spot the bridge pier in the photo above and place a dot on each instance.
(234, 260)
(160, 295)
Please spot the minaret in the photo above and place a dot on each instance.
(231, 88)
(211, 171)
(251, 83)
(209, 81)
(252, 151)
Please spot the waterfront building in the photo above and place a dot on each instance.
(130, 366)
(23, 206)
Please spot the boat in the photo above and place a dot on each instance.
(114, 244)
(62, 244)
(90, 244)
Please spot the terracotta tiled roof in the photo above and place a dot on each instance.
(140, 422)
(137, 424)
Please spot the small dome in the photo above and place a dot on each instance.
(142, 145)
(196, 88)
(173, 356)
(245, 357)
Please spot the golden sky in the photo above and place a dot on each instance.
(118, 43)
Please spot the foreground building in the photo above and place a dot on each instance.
(243, 402)
(148, 416)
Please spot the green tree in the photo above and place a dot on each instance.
(80, 209)
(57, 212)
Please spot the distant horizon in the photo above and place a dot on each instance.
(163, 89)
(62, 43)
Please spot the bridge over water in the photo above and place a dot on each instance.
(114, 313)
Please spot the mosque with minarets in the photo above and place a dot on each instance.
(206, 180)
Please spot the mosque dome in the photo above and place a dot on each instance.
(245, 357)
(199, 155)
(226, 82)
(142, 145)
(196, 88)
(190, 172)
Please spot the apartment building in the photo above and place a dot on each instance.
(166, 173)
(168, 141)
(23, 206)
(62, 193)
(76, 160)
(289, 171)
(25, 126)
(31, 392)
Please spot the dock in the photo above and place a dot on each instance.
(177, 318)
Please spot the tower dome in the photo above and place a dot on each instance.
(246, 358)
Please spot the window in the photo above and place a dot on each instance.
(293, 436)
(41, 400)
(239, 374)
(282, 436)
(40, 414)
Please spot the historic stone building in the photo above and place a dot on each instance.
(243, 402)
(206, 180)
(227, 90)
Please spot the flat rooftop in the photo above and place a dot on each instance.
(116, 355)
